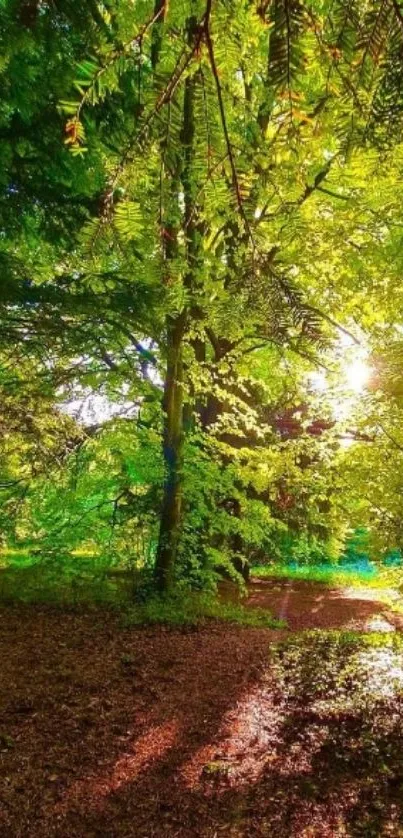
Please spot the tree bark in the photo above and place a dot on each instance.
(173, 403)
(171, 512)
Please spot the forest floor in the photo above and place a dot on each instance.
(314, 605)
(204, 731)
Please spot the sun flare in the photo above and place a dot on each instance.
(357, 374)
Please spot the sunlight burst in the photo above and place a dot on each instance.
(357, 375)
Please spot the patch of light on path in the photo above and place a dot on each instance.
(139, 754)
(384, 671)
(379, 624)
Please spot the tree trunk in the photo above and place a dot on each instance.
(171, 513)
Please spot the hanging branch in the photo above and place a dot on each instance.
(113, 56)
(390, 437)
(234, 175)
(335, 324)
(398, 11)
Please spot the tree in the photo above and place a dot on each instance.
(210, 165)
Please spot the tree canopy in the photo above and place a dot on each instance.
(200, 237)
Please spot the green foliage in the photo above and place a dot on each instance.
(107, 501)
(197, 205)
(286, 54)
(184, 609)
(66, 581)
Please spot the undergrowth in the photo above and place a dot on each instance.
(44, 585)
(194, 608)
(74, 586)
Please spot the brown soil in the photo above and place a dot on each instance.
(312, 605)
(150, 732)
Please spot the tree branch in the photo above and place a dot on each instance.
(234, 175)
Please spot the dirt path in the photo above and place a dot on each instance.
(173, 734)
(307, 605)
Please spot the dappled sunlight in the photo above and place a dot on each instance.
(251, 743)
(147, 749)
(257, 593)
(291, 731)
(383, 670)
(284, 605)
(140, 734)
(379, 624)
(138, 757)
(369, 594)
(320, 604)
(246, 742)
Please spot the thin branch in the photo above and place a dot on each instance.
(398, 11)
(335, 324)
(109, 362)
(221, 107)
(394, 441)
(333, 194)
(126, 48)
(291, 348)
(9, 483)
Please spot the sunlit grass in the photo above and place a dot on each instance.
(193, 609)
(372, 576)
(10, 556)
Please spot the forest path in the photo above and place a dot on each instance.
(202, 732)
(314, 605)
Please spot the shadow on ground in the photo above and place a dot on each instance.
(155, 732)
